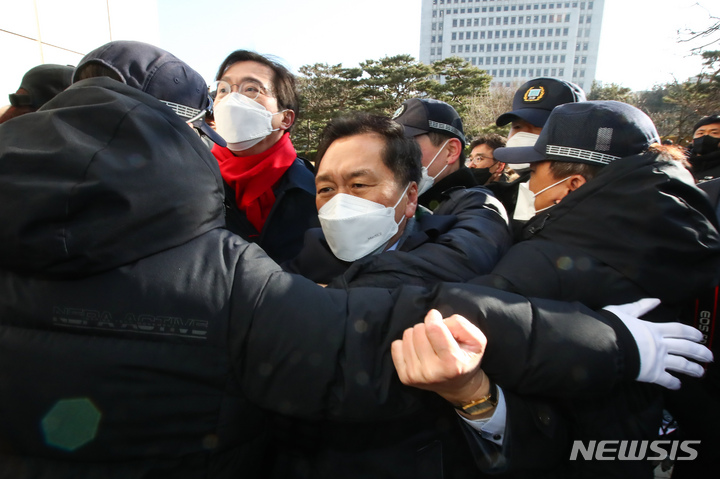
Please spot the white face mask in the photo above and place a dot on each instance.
(426, 181)
(522, 138)
(242, 122)
(525, 206)
(355, 227)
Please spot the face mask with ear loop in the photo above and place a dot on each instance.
(426, 181)
(525, 206)
(355, 227)
(243, 122)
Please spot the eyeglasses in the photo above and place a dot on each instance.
(250, 89)
(479, 158)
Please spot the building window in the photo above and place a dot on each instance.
(467, 48)
(561, 72)
(432, 39)
(452, 49)
(460, 36)
(474, 47)
(454, 36)
(475, 35)
(583, 60)
(562, 58)
(476, 22)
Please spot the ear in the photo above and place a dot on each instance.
(412, 194)
(575, 182)
(288, 118)
(500, 167)
(453, 148)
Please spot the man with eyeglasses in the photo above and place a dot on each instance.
(269, 190)
(483, 165)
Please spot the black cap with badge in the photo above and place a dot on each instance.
(593, 132)
(420, 116)
(160, 74)
(534, 101)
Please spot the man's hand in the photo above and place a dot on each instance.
(663, 347)
(443, 356)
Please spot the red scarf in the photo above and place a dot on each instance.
(252, 177)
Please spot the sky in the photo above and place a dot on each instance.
(639, 41)
(638, 49)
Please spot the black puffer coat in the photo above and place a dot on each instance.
(639, 229)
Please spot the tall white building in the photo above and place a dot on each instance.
(515, 40)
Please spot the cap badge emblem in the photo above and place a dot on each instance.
(398, 112)
(535, 93)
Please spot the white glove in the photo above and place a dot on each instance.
(663, 347)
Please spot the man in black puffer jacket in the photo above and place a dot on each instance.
(616, 220)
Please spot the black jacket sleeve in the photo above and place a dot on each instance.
(304, 350)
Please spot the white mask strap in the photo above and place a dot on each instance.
(535, 195)
(436, 155)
